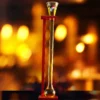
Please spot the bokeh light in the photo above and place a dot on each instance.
(60, 33)
(76, 1)
(6, 31)
(8, 49)
(79, 1)
(38, 10)
(80, 47)
(89, 38)
(23, 52)
(23, 33)
(76, 73)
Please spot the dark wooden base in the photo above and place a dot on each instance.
(47, 97)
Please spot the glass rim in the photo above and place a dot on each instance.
(52, 2)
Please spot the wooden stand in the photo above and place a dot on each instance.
(47, 97)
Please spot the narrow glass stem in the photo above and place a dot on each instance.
(50, 90)
(51, 50)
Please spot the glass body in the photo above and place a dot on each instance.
(52, 7)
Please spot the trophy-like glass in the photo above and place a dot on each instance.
(52, 7)
(49, 92)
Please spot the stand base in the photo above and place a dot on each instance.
(47, 97)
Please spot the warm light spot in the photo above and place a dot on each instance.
(89, 85)
(60, 33)
(89, 72)
(80, 47)
(76, 73)
(89, 38)
(72, 24)
(6, 31)
(3, 61)
(76, 1)
(86, 72)
(38, 10)
(23, 52)
(23, 33)
(72, 88)
(79, 1)
(8, 47)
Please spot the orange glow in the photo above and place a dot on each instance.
(76, 1)
(37, 9)
(89, 85)
(6, 31)
(80, 47)
(6, 61)
(3, 61)
(23, 33)
(89, 72)
(23, 52)
(76, 73)
(8, 49)
(89, 38)
(60, 33)
(72, 88)
(11, 61)
(79, 1)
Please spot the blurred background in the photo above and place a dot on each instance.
(76, 50)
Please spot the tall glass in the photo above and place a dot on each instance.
(52, 8)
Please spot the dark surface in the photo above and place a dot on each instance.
(31, 95)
